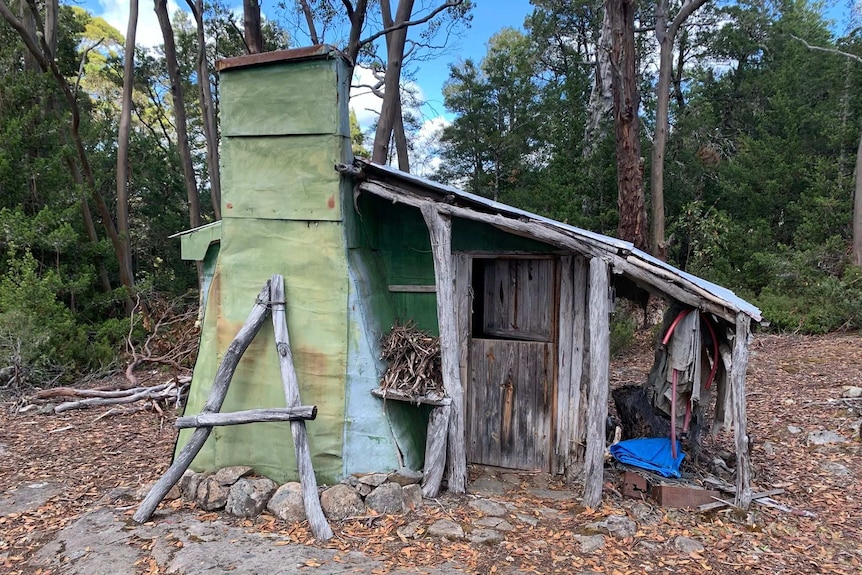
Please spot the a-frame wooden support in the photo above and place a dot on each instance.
(270, 297)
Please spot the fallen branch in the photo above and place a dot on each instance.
(164, 391)
(719, 503)
(87, 393)
(181, 345)
(768, 502)
(121, 411)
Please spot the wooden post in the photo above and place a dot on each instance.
(597, 398)
(303, 412)
(316, 520)
(435, 450)
(440, 232)
(738, 367)
(213, 405)
(577, 423)
(564, 368)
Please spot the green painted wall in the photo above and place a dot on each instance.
(395, 237)
(283, 130)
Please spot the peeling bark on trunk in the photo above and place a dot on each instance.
(602, 96)
(632, 224)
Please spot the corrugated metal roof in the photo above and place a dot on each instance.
(609, 244)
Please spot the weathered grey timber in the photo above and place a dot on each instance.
(649, 276)
(214, 402)
(316, 520)
(597, 398)
(399, 396)
(303, 412)
(740, 427)
(577, 429)
(564, 365)
(162, 391)
(435, 450)
(440, 231)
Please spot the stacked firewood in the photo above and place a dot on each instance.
(414, 362)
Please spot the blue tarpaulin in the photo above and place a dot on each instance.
(649, 453)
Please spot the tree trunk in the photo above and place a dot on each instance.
(857, 208)
(665, 42)
(665, 34)
(178, 98)
(51, 20)
(392, 79)
(632, 224)
(253, 32)
(38, 48)
(205, 97)
(123, 170)
(602, 96)
(309, 20)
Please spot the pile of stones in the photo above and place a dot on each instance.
(238, 492)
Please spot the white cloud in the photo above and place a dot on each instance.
(425, 159)
(148, 35)
(367, 105)
(363, 102)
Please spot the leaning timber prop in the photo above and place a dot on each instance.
(271, 296)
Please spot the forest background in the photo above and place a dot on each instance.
(725, 137)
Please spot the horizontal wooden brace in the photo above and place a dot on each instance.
(300, 413)
(412, 288)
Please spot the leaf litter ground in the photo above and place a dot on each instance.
(794, 388)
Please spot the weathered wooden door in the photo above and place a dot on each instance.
(510, 395)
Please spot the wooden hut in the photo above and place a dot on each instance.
(521, 303)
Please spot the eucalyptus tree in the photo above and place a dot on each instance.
(35, 41)
(357, 29)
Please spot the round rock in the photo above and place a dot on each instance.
(286, 503)
(341, 501)
(248, 497)
(388, 498)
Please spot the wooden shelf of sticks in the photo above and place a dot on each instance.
(414, 375)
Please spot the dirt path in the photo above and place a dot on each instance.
(64, 482)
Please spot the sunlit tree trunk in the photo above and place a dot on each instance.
(123, 169)
(602, 96)
(179, 113)
(391, 108)
(665, 34)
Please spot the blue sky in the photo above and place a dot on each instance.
(489, 16)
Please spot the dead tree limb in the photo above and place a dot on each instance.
(316, 520)
(300, 413)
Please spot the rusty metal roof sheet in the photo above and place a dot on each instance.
(317, 52)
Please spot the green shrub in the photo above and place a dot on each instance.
(815, 291)
(40, 338)
(623, 326)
